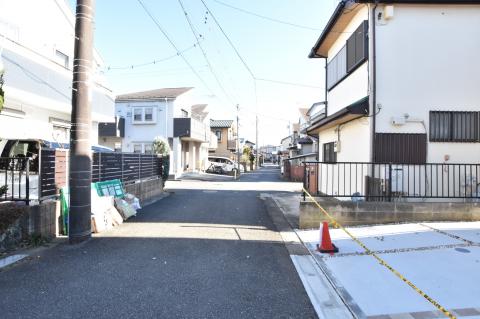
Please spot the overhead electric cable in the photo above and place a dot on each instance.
(192, 28)
(267, 18)
(174, 46)
(155, 61)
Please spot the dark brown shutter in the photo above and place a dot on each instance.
(401, 148)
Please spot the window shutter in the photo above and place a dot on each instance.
(351, 52)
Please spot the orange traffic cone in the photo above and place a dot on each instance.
(326, 245)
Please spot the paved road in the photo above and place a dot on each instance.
(194, 254)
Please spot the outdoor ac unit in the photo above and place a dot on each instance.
(336, 146)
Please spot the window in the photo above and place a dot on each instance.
(148, 148)
(144, 115)
(137, 148)
(446, 126)
(337, 68)
(62, 59)
(137, 115)
(357, 47)
(329, 154)
(184, 113)
(352, 54)
(218, 133)
(148, 114)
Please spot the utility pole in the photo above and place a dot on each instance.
(80, 171)
(238, 141)
(256, 140)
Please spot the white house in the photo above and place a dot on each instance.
(36, 44)
(401, 87)
(167, 113)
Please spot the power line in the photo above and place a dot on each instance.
(174, 46)
(267, 18)
(192, 28)
(290, 83)
(228, 39)
(275, 20)
(155, 61)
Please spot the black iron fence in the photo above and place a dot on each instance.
(14, 179)
(389, 182)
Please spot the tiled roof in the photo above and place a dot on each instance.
(221, 123)
(154, 94)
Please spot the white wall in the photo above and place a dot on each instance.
(354, 141)
(144, 132)
(37, 83)
(355, 86)
(428, 59)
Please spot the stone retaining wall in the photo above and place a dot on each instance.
(368, 213)
(36, 221)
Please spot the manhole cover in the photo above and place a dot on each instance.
(462, 250)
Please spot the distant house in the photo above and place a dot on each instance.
(226, 133)
(37, 38)
(166, 113)
(401, 88)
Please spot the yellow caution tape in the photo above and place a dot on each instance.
(381, 261)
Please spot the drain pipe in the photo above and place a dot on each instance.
(374, 80)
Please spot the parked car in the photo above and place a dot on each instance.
(222, 165)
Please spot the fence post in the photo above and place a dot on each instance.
(100, 167)
(27, 182)
(139, 166)
(304, 179)
(121, 165)
(389, 182)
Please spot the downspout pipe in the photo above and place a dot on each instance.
(374, 79)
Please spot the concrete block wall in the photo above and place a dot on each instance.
(350, 213)
(146, 191)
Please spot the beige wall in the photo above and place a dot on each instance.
(222, 146)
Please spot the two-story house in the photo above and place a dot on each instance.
(401, 87)
(166, 113)
(36, 45)
(226, 133)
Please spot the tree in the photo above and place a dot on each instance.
(161, 147)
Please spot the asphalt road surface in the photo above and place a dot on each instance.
(195, 254)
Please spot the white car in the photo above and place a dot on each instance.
(221, 165)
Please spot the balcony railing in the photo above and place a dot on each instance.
(190, 129)
(113, 129)
(392, 182)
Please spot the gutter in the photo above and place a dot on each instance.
(374, 79)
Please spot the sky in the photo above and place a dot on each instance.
(125, 35)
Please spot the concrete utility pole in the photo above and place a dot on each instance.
(80, 171)
(238, 141)
(256, 141)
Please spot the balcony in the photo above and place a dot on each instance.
(113, 129)
(190, 129)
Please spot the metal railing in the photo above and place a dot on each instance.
(390, 182)
(15, 179)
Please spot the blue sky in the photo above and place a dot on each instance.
(125, 35)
